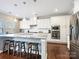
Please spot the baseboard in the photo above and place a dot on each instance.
(1, 51)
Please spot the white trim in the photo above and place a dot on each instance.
(1, 51)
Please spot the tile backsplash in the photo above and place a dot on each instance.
(34, 30)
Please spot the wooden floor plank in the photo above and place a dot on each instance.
(6, 56)
(57, 51)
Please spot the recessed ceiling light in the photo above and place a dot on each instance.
(15, 20)
(15, 5)
(35, 0)
(56, 10)
(24, 2)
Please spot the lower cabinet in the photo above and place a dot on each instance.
(57, 51)
(74, 52)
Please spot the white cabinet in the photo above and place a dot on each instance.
(43, 23)
(10, 24)
(33, 20)
(63, 21)
(57, 20)
(24, 24)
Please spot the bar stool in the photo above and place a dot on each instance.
(11, 46)
(6, 46)
(22, 50)
(33, 50)
(17, 47)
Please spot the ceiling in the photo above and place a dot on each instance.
(27, 8)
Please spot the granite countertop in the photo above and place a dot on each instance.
(25, 35)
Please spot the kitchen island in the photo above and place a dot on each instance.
(30, 38)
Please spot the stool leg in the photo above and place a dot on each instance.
(4, 47)
(20, 50)
(24, 53)
(8, 49)
(29, 53)
(31, 57)
(14, 50)
(23, 47)
(37, 54)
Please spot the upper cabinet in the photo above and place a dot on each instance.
(43, 23)
(33, 20)
(24, 24)
(10, 24)
(57, 20)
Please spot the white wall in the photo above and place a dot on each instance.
(8, 23)
(64, 22)
(76, 6)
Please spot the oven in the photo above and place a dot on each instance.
(55, 32)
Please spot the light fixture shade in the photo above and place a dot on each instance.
(34, 20)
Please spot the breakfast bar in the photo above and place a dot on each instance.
(29, 38)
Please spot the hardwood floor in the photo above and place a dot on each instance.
(57, 51)
(6, 56)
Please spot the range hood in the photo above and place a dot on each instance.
(33, 22)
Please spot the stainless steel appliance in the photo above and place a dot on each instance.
(55, 32)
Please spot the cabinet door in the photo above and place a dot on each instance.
(43, 23)
(24, 24)
(10, 24)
